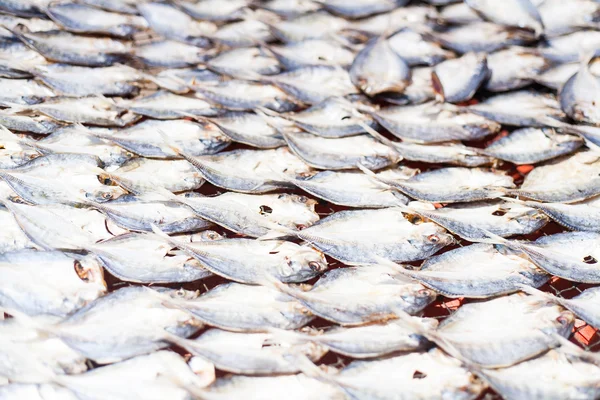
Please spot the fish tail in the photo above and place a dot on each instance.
(540, 294)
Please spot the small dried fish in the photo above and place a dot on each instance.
(459, 13)
(254, 129)
(378, 68)
(443, 153)
(533, 145)
(395, 20)
(566, 180)
(80, 18)
(362, 8)
(316, 25)
(579, 216)
(249, 260)
(160, 173)
(350, 236)
(312, 52)
(64, 47)
(360, 295)
(457, 80)
(580, 95)
(291, 8)
(17, 59)
(170, 54)
(416, 50)
(23, 91)
(340, 153)
(146, 138)
(239, 62)
(434, 122)
(167, 105)
(521, 108)
(214, 10)
(514, 68)
(555, 77)
(247, 33)
(452, 185)
(483, 37)
(560, 17)
(419, 91)
(569, 48)
(246, 308)
(518, 13)
(250, 353)
(49, 282)
(179, 80)
(172, 23)
(39, 124)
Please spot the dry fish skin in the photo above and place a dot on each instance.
(64, 47)
(514, 68)
(317, 25)
(250, 353)
(160, 173)
(244, 60)
(248, 260)
(453, 185)
(431, 375)
(521, 108)
(580, 96)
(555, 77)
(246, 96)
(482, 37)
(85, 19)
(255, 215)
(32, 391)
(254, 129)
(172, 23)
(560, 17)
(167, 105)
(473, 221)
(361, 295)
(245, 308)
(415, 50)
(249, 171)
(557, 376)
(566, 180)
(315, 84)
(504, 331)
(214, 10)
(341, 153)
(351, 236)
(377, 68)
(170, 54)
(23, 91)
(333, 118)
(72, 80)
(433, 123)
(49, 282)
(146, 138)
(457, 80)
(478, 271)
(518, 13)
(580, 216)
(351, 189)
(130, 321)
(312, 52)
(443, 153)
(163, 374)
(137, 215)
(292, 387)
(533, 145)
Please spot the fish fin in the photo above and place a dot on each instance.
(568, 347)
(530, 290)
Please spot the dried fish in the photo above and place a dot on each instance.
(340, 153)
(360, 295)
(459, 13)
(579, 216)
(160, 173)
(23, 91)
(254, 129)
(419, 91)
(514, 68)
(483, 37)
(452, 185)
(443, 153)
(85, 19)
(363, 8)
(395, 20)
(560, 18)
(416, 50)
(580, 95)
(519, 13)
(433, 122)
(49, 282)
(316, 25)
(291, 8)
(569, 48)
(521, 108)
(17, 59)
(533, 145)
(350, 236)
(312, 52)
(246, 33)
(122, 6)
(167, 105)
(239, 62)
(378, 68)
(170, 54)
(12, 237)
(457, 80)
(180, 80)
(214, 10)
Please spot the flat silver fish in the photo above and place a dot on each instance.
(312, 52)
(580, 95)
(316, 25)
(443, 153)
(579, 216)
(560, 18)
(170, 54)
(458, 79)
(415, 49)
(254, 129)
(160, 173)
(514, 68)
(519, 13)
(570, 47)
(167, 105)
(238, 62)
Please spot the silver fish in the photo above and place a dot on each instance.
(170, 54)
(459, 13)
(316, 25)
(213, 10)
(452, 185)
(254, 129)
(560, 18)
(250, 353)
(145, 139)
(349, 236)
(249, 260)
(570, 47)
(160, 173)
(514, 68)
(483, 37)
(378, 68)
(413, 47)
(419, 91)
(341, 153)
(443, 153)
(23, 91)
(555, 77)
(457, 80)
(238, 62)
(312, 52)
(64, 47)
(519, 13)
(566, 180)
(167, 105)
(360, 295)
(352, 189)
(246, 33)
(17, 59)
(26, 8)
(291, 8)
(39, 124)
(580, 95)
(172, 23)
(477, 271)
(433, 122)
(362, 8)
(121, 6)
(579, 216)
(245, 308)
(533, 145)
(395, 20)
(49, 282)
(85, 19)
(521, 108)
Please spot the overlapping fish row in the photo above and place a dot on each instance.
(404, 118)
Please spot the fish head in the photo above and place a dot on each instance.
(206, 236)
(180, 294)
(531, 218)
(294, 211)
(105, 193)
(432, 236)
(90, 270)
(417, 296)
(301, 263)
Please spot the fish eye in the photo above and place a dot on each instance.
(81, 272)
(314, 266)
(433, 238)
(301, 226)
(415, 219)
(562, 320)
(265, 210)
(302, 199)
(107, 196)
(589, 260)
